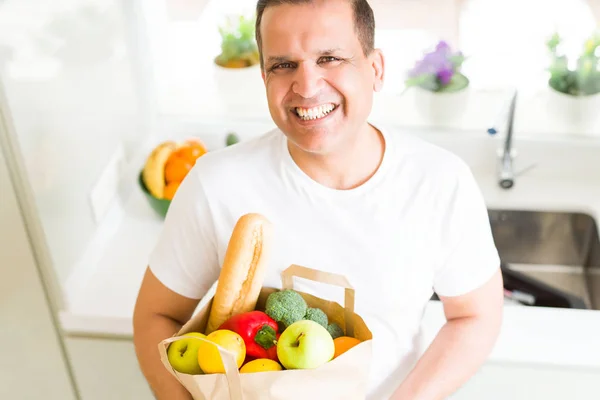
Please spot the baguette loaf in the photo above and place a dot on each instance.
(243, 271)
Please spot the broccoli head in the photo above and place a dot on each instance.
(317, 315)
(286, 307)
(335, 330)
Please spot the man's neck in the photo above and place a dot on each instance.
(348, 167)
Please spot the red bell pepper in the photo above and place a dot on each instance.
(259, 331)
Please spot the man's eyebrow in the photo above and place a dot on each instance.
(280, 59)
(327, 52)
(277, 59)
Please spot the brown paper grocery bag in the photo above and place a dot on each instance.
(345, 377)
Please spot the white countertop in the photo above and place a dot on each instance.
(101, 298)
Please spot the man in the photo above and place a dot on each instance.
(399, 217)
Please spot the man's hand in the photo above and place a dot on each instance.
(159, 314)
(460, 347)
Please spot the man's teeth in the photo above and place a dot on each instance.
(315, 112)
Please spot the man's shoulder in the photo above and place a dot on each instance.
(247, 155)
(246, 149)
(428, 158)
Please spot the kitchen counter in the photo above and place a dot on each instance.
(101, 296)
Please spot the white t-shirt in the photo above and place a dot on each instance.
(419, 225)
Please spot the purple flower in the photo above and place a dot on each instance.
(445, 75)
(438, 64)
(431, 63)
(442, 47)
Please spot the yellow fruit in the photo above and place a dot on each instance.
(169, 162)
(261, 365)
(209, 357)
(153, 173)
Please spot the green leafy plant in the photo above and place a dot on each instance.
(438, 70)
(238, 44)
(580, 77)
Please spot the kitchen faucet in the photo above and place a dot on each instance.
(506, 175)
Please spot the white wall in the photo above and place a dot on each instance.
(68, 71)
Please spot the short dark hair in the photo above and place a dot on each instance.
(364, 21)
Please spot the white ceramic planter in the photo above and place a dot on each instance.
(579, 114)
(237, 85)
(441, 108)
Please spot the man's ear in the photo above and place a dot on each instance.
(378, 64)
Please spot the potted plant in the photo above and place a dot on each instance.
(574, 80)
(238, 44)
(440, 87)
(237, 67)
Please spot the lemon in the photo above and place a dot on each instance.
(209, 357)
(261, 365)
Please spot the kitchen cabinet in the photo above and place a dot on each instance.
(107, 368)
(499, 381)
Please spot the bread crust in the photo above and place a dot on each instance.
(243, 272)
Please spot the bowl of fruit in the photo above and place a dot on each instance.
(165, 168)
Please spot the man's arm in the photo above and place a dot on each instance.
(460, 347)
(159, 313)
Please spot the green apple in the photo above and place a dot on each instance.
(183, 354)
(305, 344)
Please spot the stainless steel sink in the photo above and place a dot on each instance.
(554, 255)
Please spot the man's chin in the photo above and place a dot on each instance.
(313, 141)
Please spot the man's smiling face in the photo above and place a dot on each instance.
(319, 82)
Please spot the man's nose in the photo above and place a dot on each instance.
(308, 81)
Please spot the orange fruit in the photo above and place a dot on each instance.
(191, 150)
(170, 190)
(177, 167)
(344, 343)
(209, 358)
(181, 161)
(197, 143)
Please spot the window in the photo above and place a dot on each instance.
(504, 40)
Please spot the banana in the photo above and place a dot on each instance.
(154, 170)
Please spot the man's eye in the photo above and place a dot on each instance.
(329, 59)
(281, 66)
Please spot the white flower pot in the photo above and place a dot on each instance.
(578, 114)
(441, 108)
(237, 85)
